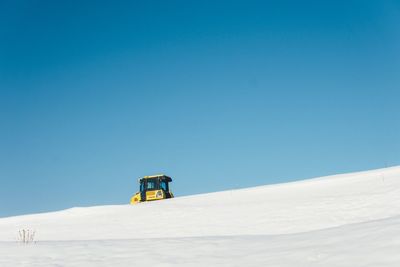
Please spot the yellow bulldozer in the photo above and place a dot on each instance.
(155, 187)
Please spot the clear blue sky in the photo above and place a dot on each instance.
(216, 94)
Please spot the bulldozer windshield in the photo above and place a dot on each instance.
(152, 185)
(149, 184)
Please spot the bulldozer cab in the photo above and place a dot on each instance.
(154, 187)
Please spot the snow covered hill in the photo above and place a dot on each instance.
(341, 220)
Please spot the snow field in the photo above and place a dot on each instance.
(341, 220)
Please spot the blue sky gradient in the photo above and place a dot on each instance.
(216, 94)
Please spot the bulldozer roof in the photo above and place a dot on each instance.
(162, 176)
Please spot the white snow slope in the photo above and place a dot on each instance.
(341, 220)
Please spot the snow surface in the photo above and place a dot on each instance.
(341, 220)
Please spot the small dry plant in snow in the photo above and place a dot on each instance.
(26, 236)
